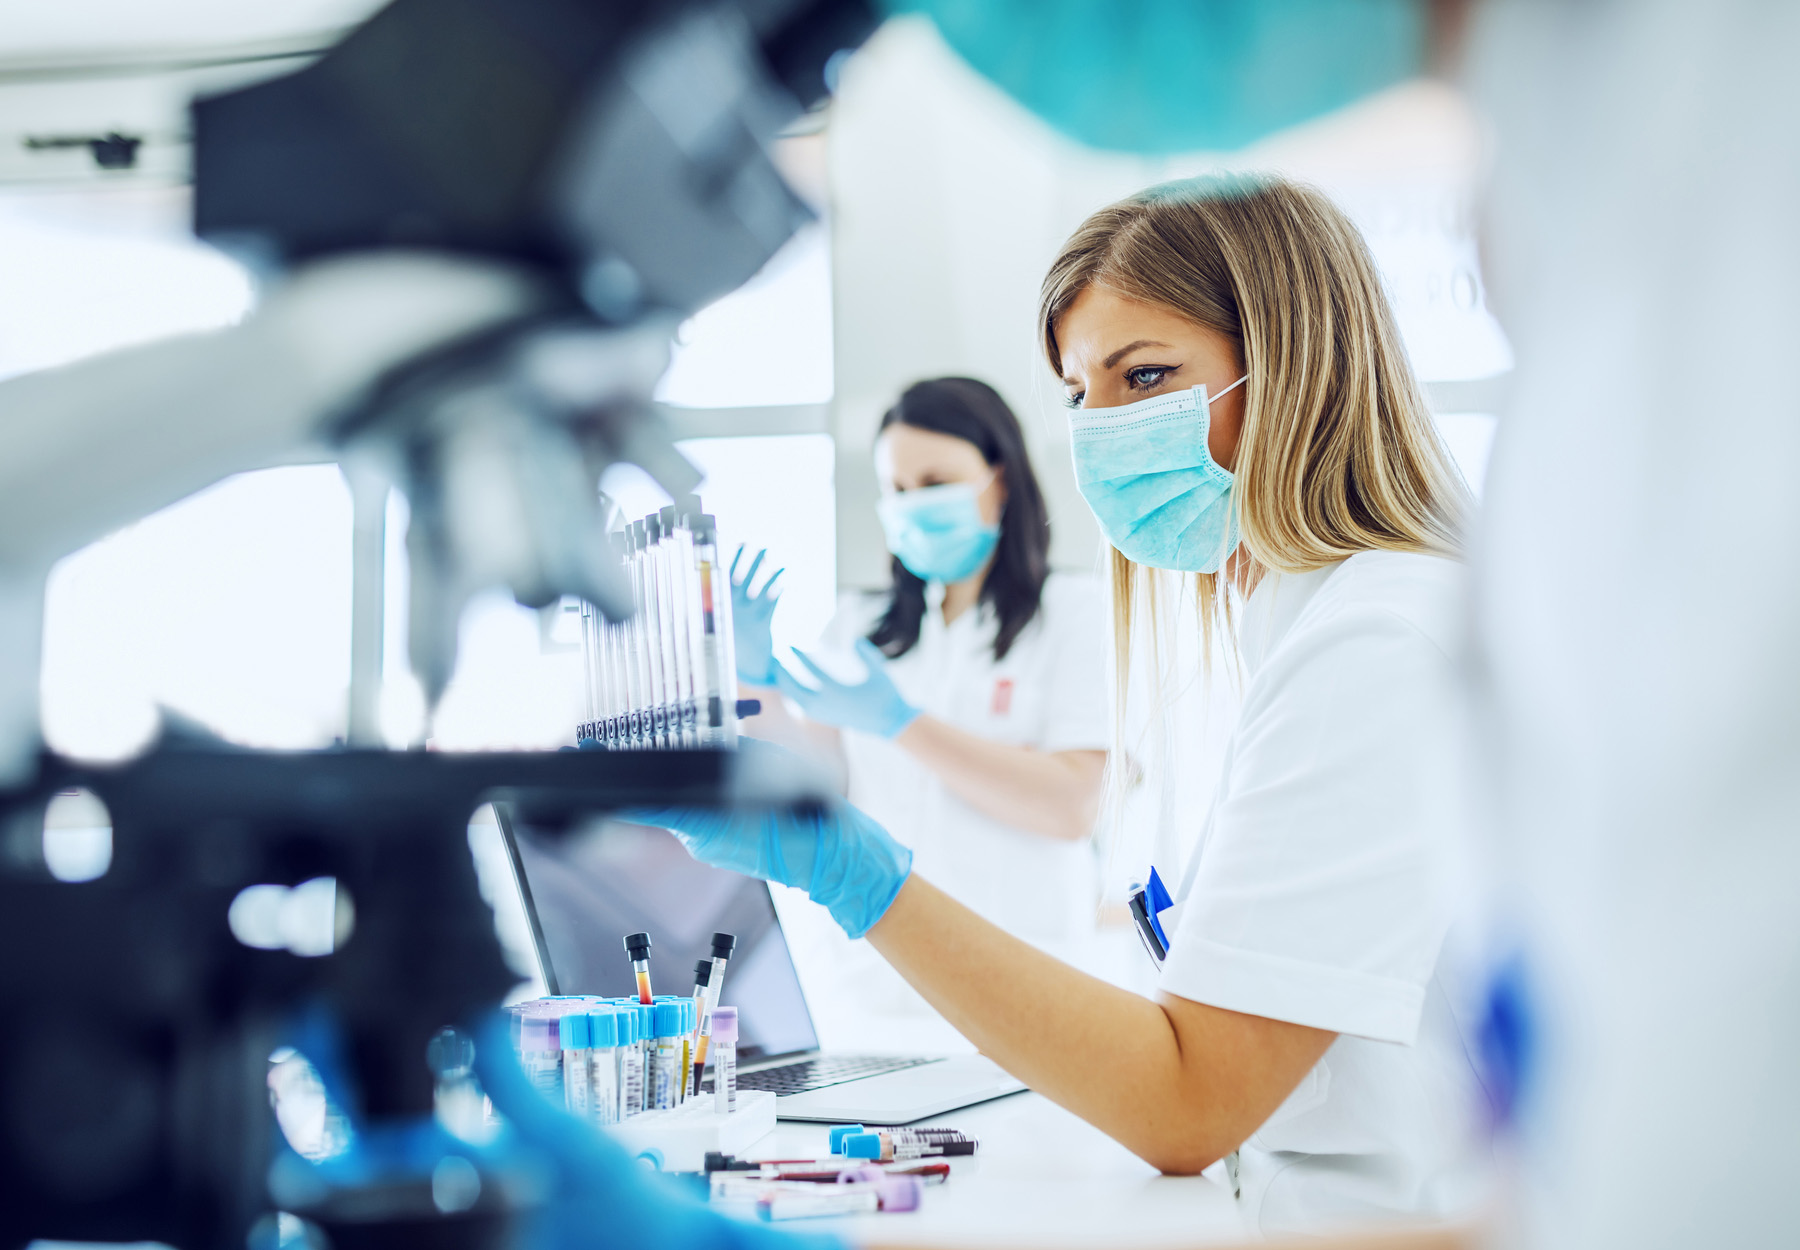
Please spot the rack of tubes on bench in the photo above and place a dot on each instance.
(666, 677)
(609, 1059)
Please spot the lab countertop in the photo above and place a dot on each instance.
(1042, 1177)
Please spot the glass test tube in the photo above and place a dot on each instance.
(694, 627)
(672, 583)
(724, 1040)
(577, 1065)
(721, 662)
(631, 1059)
(637, 948)
(651, 650)
(590, 678)
(668, 628)
(643, 696)
(665, 1079)
(540, 1054)
(603, 1069)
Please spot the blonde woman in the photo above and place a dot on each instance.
(1243, 412)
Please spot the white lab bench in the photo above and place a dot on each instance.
(1042, 1177)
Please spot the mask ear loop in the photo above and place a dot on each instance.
(1222, 394)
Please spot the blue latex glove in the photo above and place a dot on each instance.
(751, 616)
(839, 856)
(873, 705)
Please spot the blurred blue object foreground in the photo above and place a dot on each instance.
(1182, 75)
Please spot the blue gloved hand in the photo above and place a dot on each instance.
(874, 705)
(839, 856)
(751, 616)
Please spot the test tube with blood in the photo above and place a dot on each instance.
(722, 946)
(637, 946)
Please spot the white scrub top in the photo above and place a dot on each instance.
(1318, 892)
(1049, 693)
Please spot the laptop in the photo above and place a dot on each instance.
(583, 893)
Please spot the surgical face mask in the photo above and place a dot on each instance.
(937, 531)
(1145, 470)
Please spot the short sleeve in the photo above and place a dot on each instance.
(1077, 716)
(1318, 898)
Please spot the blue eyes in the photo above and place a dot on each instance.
(1138, 378)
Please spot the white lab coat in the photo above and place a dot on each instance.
(1319, 895)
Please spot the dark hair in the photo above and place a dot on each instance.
(974, 412)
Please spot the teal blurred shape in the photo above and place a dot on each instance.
(1160, 76)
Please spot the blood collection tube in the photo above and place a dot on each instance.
(722, 946)
(891, 1144)
(637, 946)
(692, 623)
(673, 601)
(577, 1063)
(631, 1058)
(724, 1049)
(540, 1054)
(590, 675)
(604, 1064)
(719, 712)
(702, 974)
(664, 1080)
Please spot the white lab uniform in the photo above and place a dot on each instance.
(1049, 694)
(1318, 893)
(1638, 587)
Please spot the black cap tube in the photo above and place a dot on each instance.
(637, 945)
(723, 945)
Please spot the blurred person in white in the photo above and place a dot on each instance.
(1638, 607)
(1245, 413)
(977, 733)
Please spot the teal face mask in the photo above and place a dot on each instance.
(1145, 470)
(937, 531)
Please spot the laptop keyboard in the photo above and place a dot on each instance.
(809, 1074)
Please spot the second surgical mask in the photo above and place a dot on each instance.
(938, 532)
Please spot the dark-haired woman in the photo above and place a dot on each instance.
(978, 734)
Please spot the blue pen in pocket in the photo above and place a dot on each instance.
(1147, 903)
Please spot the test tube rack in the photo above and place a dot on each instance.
(665, 678)
(678, 1140)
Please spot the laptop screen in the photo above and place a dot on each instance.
(584, 892)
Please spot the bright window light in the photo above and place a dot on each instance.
(90, 271)
(231, 608)
(767, 343)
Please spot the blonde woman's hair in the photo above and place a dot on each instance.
(1338, 453)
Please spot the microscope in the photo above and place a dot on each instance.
(476, 224)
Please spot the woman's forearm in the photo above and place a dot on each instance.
(1179, 1083)
(1055, 793)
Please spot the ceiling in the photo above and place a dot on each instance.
(77, 30)
(75, 69)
